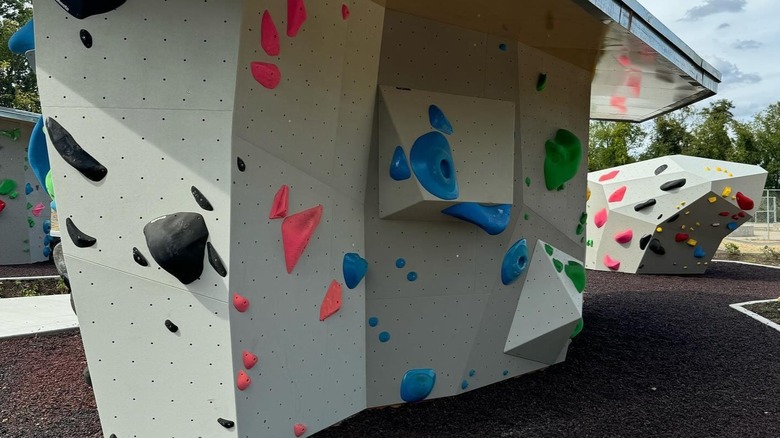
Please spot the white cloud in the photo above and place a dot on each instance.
(711, 7)
(747, 44)
(732, 74)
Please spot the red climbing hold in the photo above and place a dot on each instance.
(296, 232)
(296, 16)
(332, 301)
(744, 202)
(299, 429)
(250, 360)
(240, 303)
(344, 11)
(268, 75)
(281, 201)
(618, 194)
(681, 237)
(608, 176)
(601, 218)
(243, 381)
(2, 205)
(611, 263)
(741, 214)
(735, 217)
(269, 36)
(624, 236)
(724, 213)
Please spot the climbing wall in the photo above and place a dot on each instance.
(667, 215)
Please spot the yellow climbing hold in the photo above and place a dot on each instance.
(659, 230)
(692, 242)
(587, 197)
(718, 169)
(698, 224)
(707, 168)
(731, 174)
(726, 192)
(683, 203)
(712, 199)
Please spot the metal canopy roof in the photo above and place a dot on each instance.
(640, 68)
(20, 115)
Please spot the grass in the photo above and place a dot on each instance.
(769, 310)
(32, 288)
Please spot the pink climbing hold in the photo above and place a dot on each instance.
(250, 360)
(611, 263)
(2, 205)
(296, 232)
(296, 16)
(299, 429)
(624, 236)
(281, 202)
(345, 11)
(608, 176)
(243, 381)
(618, 194)
(36, 211)
(744, 202)
(332, 301)
(269, 35)
(240, 303)
(268, 75)
(601, 218)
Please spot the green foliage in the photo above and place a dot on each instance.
(612, 144)
(732, 250)
(18, 87)
(770, 253)
(670, 134)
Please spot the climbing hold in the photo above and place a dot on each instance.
(399, 166)
(681, 237)
(438, 120)
(171, 326)
(724, 213)
(243, 381)
(241, 165)
(578, 328)
(280, 204)
(412, 276)
(674, 184)
(624, 237)
(661, 169)
(563, 155)
(692, 242)
(526, 216)
(384, 337)
(28, 189)
(332, 301)
(85, 8)
(240, 303)
(732, 226)
(472, 373)
(541, 82)
(29, 206)
(740, 214)
(30, 223)
(299, 429)
(249, 359)
(699, 252)
(515, 262)
(200, 199)
(659, 230)
(215, 260)
(712, 199)
(611, 263)
(139, 258)
(656, 247)
(715, 224)
(433, 165)
(464, 384)
(600, 218)
(558, 265)
(744, 202)
(580, 229)
(528, 181)
(549, 249)
(503, 47)
(7, 186)
(373, 321)
(505, 373)
(227, 424)
(344, 12)
(609, 175)
(269, 35)
(49, 184)
(23, 40)
(86, 38)
(587, 193)
(673, 218)
(79, 238)
(726, 192)
(493, 219)
(644, 205)
(583, 218)
(297, 230)
(267, 74)
(177, 243)
(618, 194)
(400, 263)
(2, 205)
(72, 152)
(417, 384)
(354, 268)
(296, 16)
(735, 217)
(46, 225)
(36, 211)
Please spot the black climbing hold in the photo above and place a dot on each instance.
(647, 204)
(201, 200)
(660, 216)
(177, 243)
(72, 153)
(113, 435)
(139, 258)
(215, 260)
(661, 169)
(641, 266)
(644, 241)
(80, 239)
(671, 185)
(171, 326)
(87, 377)
(227, 424)
(673, 218)
(241, 164)
(656, 247)
(86, 8)
(86, 38)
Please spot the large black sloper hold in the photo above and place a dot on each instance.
(177, 242)
(79, 238)
(72, 152)
(86, 8)
(671, 185)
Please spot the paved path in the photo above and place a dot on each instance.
(35, 315)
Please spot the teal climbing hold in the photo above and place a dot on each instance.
(373, 321)
(384, 337)
(438, 120)
(400, 263)
(433, 165)
(354, 268)
(399, 165)
(28, 189)
(732, 226)
(412, 276)
(37, 153)
(464, 384)
(563, 155)
(493, 219)
(699, 252)
(417, 384)
(515, 262)
(23, 40)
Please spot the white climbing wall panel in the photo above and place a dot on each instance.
(637, 225)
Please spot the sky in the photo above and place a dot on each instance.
(741, 38)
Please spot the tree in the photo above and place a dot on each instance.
(612, 144)
(670, 135)
(711, 137)
(18, 87)
(766, 126)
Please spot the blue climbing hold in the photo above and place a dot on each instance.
(438, 120)
(46, 251)
(46, 226)
(699, 252)
(412, 276)
(417, 384)
(732, 226)
(354, 268)
(373, 321)
(37, 154)
(433, 165)
(28, 189)
(384, 337)
(515, 262)
(493, 219)
(505, 373)
(53, 205)
(399, 166)
(23, 40)
(502, 47)
(472, 373)
(400, 263)
(464, 384)
(47, 239)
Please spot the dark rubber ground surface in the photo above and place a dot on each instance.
(33, 270)
(659, 357)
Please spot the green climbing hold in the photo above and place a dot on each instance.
(580, 229)
(541, 83)
(562, 160)
(31, 222)
(590, 243)
(26, 167)
(525, 216)
(528, 181)
(576, 273)
(50, 185)
(13, 134)
(14, 195)
(29, 206)
(578, 328)
(583, 218)
(558, 265)
(550, 250)
(7, 186)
